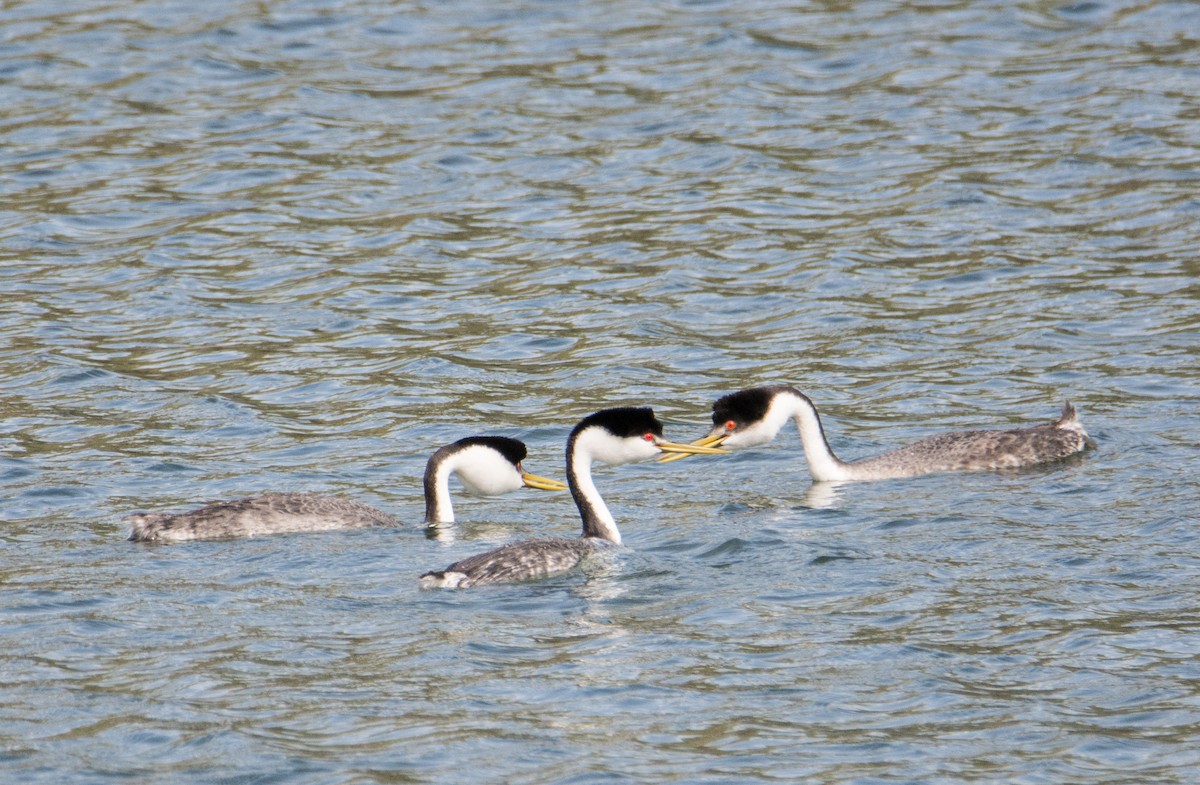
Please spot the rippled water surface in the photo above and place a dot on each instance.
(284, 246)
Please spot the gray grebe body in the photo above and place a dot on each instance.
(486, 465)
(271, 513)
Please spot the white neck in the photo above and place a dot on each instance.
(596, 444)
(823, 465)
(597, 520)
(438, 507)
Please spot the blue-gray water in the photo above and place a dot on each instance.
(269, 245)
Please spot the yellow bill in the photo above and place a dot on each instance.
(706, 445)
(541, 483)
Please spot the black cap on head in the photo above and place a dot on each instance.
(623, 421)
(513, 450)
(745, 406)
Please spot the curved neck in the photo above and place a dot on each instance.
(823, 465)
(597, 520)
(438, 508)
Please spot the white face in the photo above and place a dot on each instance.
(485, 472)
(759, 431)
(599, 445)
(750, 435)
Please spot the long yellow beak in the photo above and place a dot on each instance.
(706, 445)
(541, 483)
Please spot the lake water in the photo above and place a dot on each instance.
(299, 245)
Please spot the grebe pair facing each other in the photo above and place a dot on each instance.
(486, 466)
(612, 436)
(752, 417)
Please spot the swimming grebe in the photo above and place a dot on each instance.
(612, 436)
(751, 417)
(487, 465)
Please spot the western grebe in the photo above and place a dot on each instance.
(487, 465)
(751, 417)
(612, 436)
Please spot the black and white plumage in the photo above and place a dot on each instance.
(612, 436)
(751, 417)
(487, 465)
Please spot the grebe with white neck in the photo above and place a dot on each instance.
(612, 436)
(486, 465)
(752, 417)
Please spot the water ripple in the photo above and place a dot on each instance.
(299, 247)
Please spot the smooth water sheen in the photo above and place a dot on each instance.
(258, 246)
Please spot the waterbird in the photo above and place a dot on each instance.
(486, 466)
(754, 416)
(612, 436)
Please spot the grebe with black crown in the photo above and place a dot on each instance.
(486, 465)
(751, 417)
(612, 436)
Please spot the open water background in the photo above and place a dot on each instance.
(298, 245)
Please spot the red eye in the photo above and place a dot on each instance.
(730, 425)
(649, 437)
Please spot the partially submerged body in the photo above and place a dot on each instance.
(517, 561)
(978, 450)
(272, 513)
